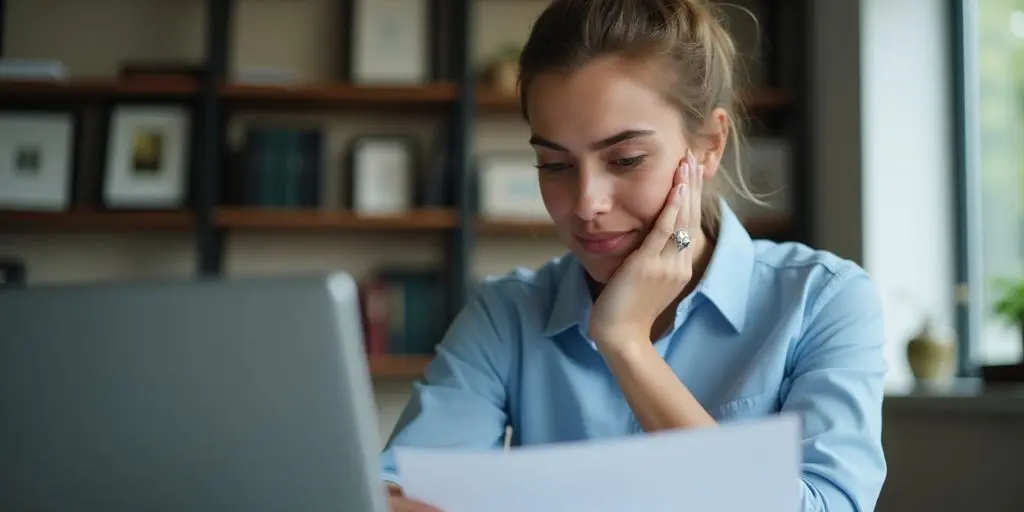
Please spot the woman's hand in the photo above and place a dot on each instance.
(655, 273)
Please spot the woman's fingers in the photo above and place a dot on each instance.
(696, 201)
(665, 224)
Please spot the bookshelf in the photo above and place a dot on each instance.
(457, 99)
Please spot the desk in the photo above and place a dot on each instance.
(956, 447)
(958, 396)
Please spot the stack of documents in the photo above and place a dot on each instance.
(738, 467)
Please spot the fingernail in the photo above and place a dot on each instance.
(680, 190)
(686, 170)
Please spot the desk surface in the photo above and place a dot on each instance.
(959, 395)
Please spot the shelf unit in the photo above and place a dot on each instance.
(458, 97)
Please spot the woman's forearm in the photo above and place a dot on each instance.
(658, 398)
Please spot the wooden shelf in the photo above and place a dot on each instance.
(97, 88)
(340, 94)
(86, 220)
(284, 219)
(397, 366)
(495, 102)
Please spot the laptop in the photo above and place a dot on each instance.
(247, 394)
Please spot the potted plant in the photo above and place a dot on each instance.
(1010, 305)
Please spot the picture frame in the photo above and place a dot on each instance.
(382, 174)
(390, 42)
(37, 159)
(148, 156)
(508, 188)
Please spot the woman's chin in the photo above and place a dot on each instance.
(600, 271)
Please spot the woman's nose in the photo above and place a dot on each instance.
(593, 194)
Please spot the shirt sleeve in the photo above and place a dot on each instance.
(462, 399)
(837, 387)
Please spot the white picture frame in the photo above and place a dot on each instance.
(36, 160)
(382, 175)
(390, 42)
(147, 157)
(508, 188)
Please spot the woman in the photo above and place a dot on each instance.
(664, 314)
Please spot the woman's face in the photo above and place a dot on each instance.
(607, 147)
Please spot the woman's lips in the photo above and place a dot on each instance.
(602, 243)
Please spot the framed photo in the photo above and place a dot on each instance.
(390, 41)
(382, 174)
(508, 188)
(147, 157)
(37, 160)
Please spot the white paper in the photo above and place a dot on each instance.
(739, 467)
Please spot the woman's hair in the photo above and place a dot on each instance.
(691, 49)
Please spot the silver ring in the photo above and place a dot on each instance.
(682, 239)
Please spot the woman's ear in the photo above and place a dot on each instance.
(716, 137)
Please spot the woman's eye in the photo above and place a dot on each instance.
(632, 161)
(553, 166)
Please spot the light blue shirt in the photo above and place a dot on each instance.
(771, 327)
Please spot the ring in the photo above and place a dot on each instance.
(682, 239)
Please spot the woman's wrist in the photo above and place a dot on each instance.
(623, 343)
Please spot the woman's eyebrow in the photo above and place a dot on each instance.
(624, 135)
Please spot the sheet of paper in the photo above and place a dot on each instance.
(739, 467)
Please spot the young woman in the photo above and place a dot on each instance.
(664, 314)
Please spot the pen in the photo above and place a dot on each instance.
(508, 438)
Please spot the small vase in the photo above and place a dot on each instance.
(930, 357)
(505, 77)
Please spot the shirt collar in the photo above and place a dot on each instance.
(727, 280)
(572, 299)
(726, 283)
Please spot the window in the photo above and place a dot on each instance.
(991, 185)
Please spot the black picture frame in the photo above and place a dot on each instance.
(190, 161)
(77, 113)
(438, 37)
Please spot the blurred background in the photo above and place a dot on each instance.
(175, 139)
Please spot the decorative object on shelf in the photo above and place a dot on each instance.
(12, 272)
(931, 356)
(147, 157)
(32, 69)
(382, 173)
(36, 160)
(390, 41)
(503, 71)
(508, 188)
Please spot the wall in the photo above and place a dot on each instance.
(907, 132)
(884, 156)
